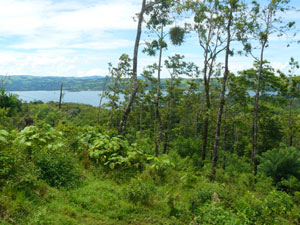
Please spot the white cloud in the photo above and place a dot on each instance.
(56, 35)
(78, 37)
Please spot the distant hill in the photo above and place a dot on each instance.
(39, 83)
(36, 83)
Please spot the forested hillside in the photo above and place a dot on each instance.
(35, 83)
(217, 148)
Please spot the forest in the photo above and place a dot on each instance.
(40, 83)
(205, 146)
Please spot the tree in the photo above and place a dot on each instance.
(117, 86)
(159, 18)
(291, 91)
(128, 107)
(231, 17)
(174, 93)
(264, 21)
(209, 26)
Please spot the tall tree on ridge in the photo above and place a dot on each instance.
(264, 21)
(230, 9)
(128, 107)
(159, 18)
(209, 26)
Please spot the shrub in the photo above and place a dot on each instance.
(187, 147)
(160, 167)
(57, 168)
(276, 205)
(44, 148)
(10, 102)
(281, 163)
(140, 192)
(113, 152)
(215, 213)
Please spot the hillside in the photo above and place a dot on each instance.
(39, 83)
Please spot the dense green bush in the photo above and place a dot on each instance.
(10, 102)
(160, 168)
(57, 168)
(112, 152)
(44, 147)
(139, 191)
(215, 213)
(281, 163)
(187, 147)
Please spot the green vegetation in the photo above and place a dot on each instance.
(35, 83)
(76, 172)
(199, 152)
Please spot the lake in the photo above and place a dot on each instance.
(83, 97)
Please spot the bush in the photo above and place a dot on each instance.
(57, 169)
(215, 213)
(187, 147)
(140, 192)
(160, 168)
(112, 152)
(10, 102)
(281, 163)
(44, 148)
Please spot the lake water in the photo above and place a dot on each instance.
(83, 97)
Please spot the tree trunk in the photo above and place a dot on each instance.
(255, 113)
(167, 129)
(224, 140)
(291, 135)
(158, 117)
(196, 128)
(127, 110)
(222, 101)
(61, 95)
(100, 102)
(141, 120)
(207, 98)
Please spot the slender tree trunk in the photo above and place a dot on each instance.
(222, 101)
(167, 129)
(196, 125)
(61, 95)
(127, 110)
(291, 135)
(255, 113)
(141, 120)
(224, 140)
(112, 121)
(100, 102)
(158, 117)
(207, 98)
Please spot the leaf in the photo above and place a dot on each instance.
(112, 166)
(3, 139)
(4, 133)
(28, 143)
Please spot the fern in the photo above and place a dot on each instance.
(281, 163)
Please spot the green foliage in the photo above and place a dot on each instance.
(177, 35)
(3, 136)
(187, 147)
(160, 168)
(10, 102)
(57, 168)
(139, 191)
(215, 213)
(44, 149)
(112, 152)
(281, 163)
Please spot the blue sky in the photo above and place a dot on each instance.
(80, 37)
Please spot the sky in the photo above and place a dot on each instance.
(80, 37)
